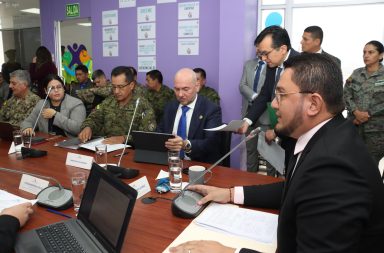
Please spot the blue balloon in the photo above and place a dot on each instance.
(274, 18)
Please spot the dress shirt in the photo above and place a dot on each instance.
(188, 114)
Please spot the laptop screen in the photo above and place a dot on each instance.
(106, 208)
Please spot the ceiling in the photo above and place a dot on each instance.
(12, 18)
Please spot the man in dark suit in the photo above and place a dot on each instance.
(311, 42)
(333, 196)
(187, 117)
(274, 47)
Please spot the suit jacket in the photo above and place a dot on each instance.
(70, 117)
(259, 105)
(335, 59)
(246, 83)
(334, 202)
(9, 226)
(205, 144)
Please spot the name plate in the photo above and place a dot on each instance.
(12, 148)
(80, 161)
(32, 184)
(141, 185)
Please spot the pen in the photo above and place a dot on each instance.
(58, 213)
(126, 152)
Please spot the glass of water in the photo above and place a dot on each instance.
(18, 141)
(175, 173)
(78, 180)
(101, 155)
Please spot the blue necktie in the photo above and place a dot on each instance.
(257, 75)
(182, 128)
(277, 78)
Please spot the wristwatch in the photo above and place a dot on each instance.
(187, 146)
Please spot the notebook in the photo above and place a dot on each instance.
(101, 223)
(150, 147)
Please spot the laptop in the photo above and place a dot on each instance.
(150, 147)
(101, 223)
(6, 131)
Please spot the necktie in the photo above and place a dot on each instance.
(278, 73)
(257, 75)
(182, 128)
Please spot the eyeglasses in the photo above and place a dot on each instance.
(264, 53)
(56, 88)
(119, 87)
(278, 95)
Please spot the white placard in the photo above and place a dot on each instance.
(110, 33)
(110, 17)
(146, 63)
(32, 184)
(189, 10)
(146, 47)
(80, 161)
(188, 46)
(165, 1)
(110, 49)
(12, 148)
(146, 31)
(188, 28)
(141, 185)
(146, 14)
(127, 3)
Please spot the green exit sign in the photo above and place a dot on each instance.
(72, 10)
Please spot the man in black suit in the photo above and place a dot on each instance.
(333, 196)
(197, 144)
(274, 47)
(311, 42)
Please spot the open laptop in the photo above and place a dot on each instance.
(6, 130)
(150, 147)
(101, 223)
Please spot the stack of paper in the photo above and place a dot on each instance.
(8, 199)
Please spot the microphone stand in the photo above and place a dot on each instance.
(120, 171)
(184, 205)
(55, 197)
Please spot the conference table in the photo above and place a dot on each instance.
(152, 227)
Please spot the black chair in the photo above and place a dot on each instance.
(225, 147)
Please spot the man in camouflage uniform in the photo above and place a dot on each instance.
(363, 93)
(204, 90)
(83, 82)
(22, 102)
(157, 93)
(113, 116)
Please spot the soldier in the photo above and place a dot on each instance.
(83, 82)
(20, 105)
(363, 94)
(139, 88)
(204, 90)
(157, 93)
(113, 116)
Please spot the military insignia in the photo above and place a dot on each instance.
(201, 117)
(379, 83)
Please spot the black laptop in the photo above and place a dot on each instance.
(150, 147)
(6, 131)
(101, 223)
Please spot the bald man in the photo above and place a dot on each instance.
(187, 116)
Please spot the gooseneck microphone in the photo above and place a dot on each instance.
(120, 171)
(185, 205)
(55, 197)
(29, 152)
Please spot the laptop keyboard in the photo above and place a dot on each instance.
(57, 238)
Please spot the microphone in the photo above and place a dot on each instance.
(55, 197)
(29, 152)
(184, 205)
(120, 171)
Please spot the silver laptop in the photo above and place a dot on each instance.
(100, 226)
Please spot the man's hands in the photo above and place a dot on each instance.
(28, 132)
(211, 193)
(201, 247)
(243, 129)
(85, 134)
(360, 117)
(114, 140)
(21, 212)
(175, 144)
(270, 135)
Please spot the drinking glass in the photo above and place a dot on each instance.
(78, 180)
(101, 155)
(18, 141)
(175, 174)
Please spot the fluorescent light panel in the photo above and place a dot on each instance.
(32, 10)
(85, 24)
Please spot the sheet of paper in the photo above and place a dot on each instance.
(273, 153)
(8, 199)
(197, 232)
(91, 145)
(254, 225)
(231, 127)
(162, 174)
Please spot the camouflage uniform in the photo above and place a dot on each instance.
(159, 99)
(15, 109)
(366, 93)
(88, 95)
(211, 94)
(109, 119)
(139, 89)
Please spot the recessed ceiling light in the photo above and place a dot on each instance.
(85, 24)
(32, 10)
